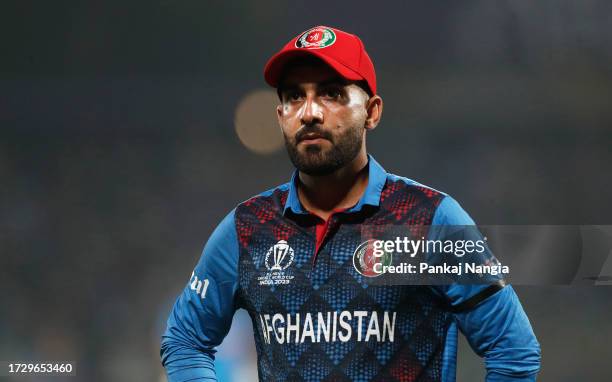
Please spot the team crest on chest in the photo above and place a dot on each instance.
(278, 258)
(316, 38)
(367, 263)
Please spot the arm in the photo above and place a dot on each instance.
(491, 317)
(203, 312)
(499, 330)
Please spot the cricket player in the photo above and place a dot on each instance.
(289, 255)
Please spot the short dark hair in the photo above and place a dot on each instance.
(310, 60)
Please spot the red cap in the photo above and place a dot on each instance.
(344, 52)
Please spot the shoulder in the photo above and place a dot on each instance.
(270, 193)
(265, 203)
(447, 211)
(411, 185)
(398, 188)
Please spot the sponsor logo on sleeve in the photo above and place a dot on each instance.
(198, 286)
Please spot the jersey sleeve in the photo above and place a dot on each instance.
(490, 315)
(203, 312)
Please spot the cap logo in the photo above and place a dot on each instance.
(316, 38)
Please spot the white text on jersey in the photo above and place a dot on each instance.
(199, 286)
(328, 327)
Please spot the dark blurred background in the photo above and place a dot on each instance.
(129, 129)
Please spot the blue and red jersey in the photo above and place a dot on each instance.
(316, 318)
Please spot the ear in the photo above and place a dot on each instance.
(374, 108)
(279, 114)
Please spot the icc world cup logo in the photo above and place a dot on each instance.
(279, 256)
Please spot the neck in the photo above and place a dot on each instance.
(322, 195)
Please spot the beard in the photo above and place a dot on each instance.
(315, 160)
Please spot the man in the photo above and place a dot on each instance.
(288, 256)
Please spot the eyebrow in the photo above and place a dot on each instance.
(333, 81)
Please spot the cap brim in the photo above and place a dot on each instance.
(274, 68)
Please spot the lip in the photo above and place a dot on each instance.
(312, 140)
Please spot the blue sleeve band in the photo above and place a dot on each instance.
(203, 312)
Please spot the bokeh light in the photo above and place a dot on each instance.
(256, 124)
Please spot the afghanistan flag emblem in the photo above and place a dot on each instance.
(365, 261)
(316, 38)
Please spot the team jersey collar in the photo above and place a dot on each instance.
(377, 176)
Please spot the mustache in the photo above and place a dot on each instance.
(312, 130)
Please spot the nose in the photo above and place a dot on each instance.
(312, 112)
